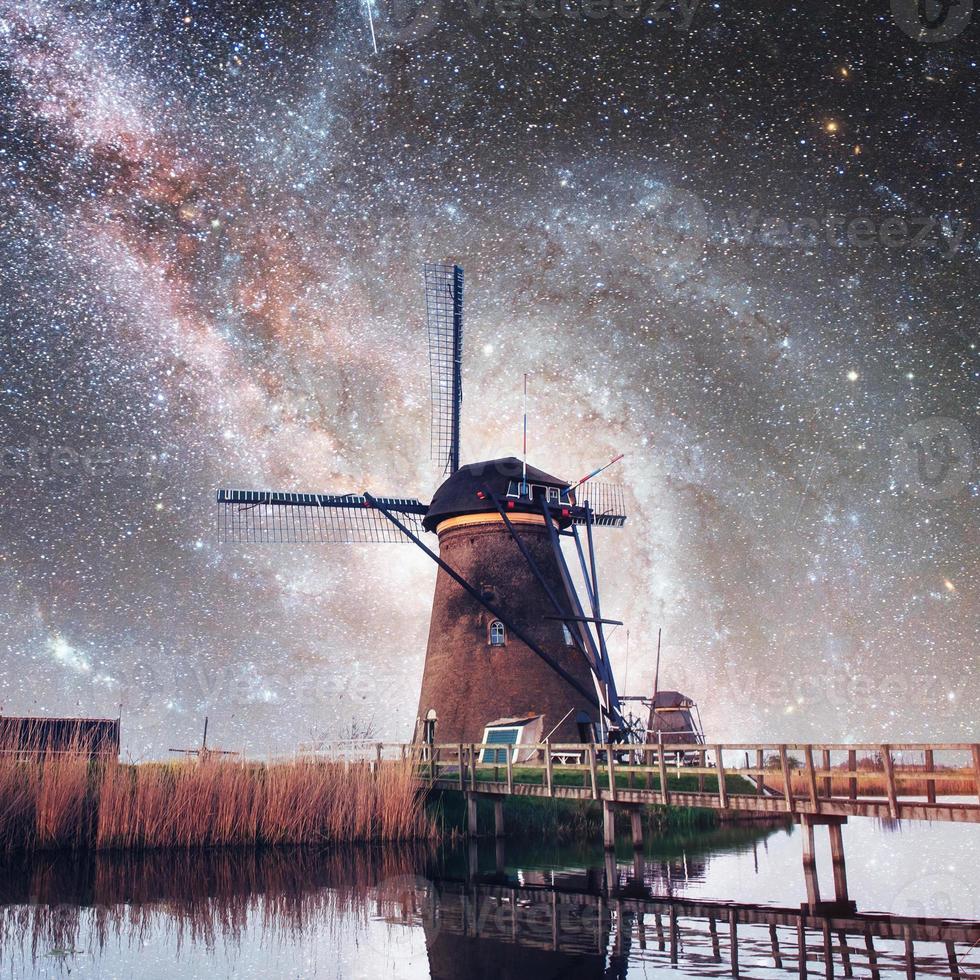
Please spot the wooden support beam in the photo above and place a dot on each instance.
(954, 966)
(787, 778)
(462, 767)
(777, 956)
(810, 864)
(472, 767)
(498, 817)
(510, 770)
(636, 826)
(733, 936)
(760, 785)
(852, 783)
(886, 758)
(722, 789)
(828, 781)
(548, 773)
(930, 766)
(611, 765)
(608, 825)
(869, 945)
(593, 772)
(976, 769)
(471, 818)
(837, 857)
(662, 771)
(811, 779)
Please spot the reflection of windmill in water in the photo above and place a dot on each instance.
(513, 652)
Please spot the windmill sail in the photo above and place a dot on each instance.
(444, 319)
(248, 516)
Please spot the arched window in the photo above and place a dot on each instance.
(498, 635)
(429, 727)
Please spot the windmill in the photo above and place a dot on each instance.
(512, 647)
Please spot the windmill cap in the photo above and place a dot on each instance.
(459, 494)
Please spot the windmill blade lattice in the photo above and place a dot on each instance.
(267, 516)
(444, 319)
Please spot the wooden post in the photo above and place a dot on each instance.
(787, 778)
(593, 772)
(636, 826)
(869, 945)
(471, 821)
(828, 781)
(472, 766)
(733, 935)
(608, 825)
(837, 856)
(976, 769)
(886, 758)
(760, 764)
(930, 766)
(777, 956)
(498, 817)
(811, 778)
(810, 863)
(702, 761)
(611, 766)
(377, 756)
(548, 774)
(462, 767)
(954, 966)
(510, 770)
(852, 765)
(662, 767)
(403, 752)
(722, 789)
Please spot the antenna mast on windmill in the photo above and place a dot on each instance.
(511, 650)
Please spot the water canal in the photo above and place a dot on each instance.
(508, 909)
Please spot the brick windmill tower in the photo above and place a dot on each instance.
(513, 653)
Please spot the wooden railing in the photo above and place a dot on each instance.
(897, 780)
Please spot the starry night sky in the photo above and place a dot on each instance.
(687, 227)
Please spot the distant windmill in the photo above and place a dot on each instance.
(511, 646)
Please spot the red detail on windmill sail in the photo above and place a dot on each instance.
(480, 495)
(510, 504)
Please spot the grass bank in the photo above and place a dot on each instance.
(66, 801)
(547, 818)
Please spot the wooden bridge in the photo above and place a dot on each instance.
(813, 784)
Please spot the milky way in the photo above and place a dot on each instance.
(737, 244)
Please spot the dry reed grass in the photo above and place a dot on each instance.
(873, 783)
(68, 800)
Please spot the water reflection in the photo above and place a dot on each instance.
(472, 911)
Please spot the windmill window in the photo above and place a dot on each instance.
(554, 495)
(569, 642)
(498, 635)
